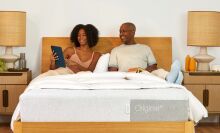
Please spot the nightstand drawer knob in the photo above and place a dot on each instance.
(206, 98)
(5, 98)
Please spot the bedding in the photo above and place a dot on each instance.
(97, 97)
(102, 64)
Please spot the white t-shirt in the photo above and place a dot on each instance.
(131, 56)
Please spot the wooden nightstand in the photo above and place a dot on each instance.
(206, 87)
(12, 84)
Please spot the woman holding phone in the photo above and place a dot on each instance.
(80, 57)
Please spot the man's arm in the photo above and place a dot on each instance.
(151, 68)
(112, 69)
(113, 62)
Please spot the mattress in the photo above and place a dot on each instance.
(53, 105)
(102, 97)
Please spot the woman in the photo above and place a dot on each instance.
(81, 57)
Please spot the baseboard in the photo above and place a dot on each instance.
(212, 119)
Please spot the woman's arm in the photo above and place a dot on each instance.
(96, 57)
(68, 52)
(75, 67)
(92, 66)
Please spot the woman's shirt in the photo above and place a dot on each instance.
(76, 59)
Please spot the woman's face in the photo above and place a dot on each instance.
(82, 39)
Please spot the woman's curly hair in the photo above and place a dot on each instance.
(91, 31)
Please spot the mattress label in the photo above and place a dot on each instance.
(159, 110)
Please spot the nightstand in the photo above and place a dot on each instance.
(12, 84)
(206, 87)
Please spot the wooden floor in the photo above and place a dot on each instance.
(207, 128)
(204, 128)
(5, 128)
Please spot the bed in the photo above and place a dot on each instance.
(162, 48)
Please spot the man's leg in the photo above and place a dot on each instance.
(179, 78)
(161, 73)
(174, 72)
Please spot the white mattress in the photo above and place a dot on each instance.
(52, 105)
(97, 97)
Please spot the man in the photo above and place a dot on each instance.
(130, 55)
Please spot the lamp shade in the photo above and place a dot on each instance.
(203, 28)
(12, 28)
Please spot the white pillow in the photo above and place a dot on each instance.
(102, 64)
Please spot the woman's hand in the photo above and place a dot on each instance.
(74, 68)
(53, 58)
(72, 65)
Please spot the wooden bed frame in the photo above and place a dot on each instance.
(162, 48)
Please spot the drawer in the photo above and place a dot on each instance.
(14, 78)
(201, 79)
(214, 91)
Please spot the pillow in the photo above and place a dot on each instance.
(102, 64)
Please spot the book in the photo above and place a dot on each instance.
(60, 62)
(136, 70)
(139, 70)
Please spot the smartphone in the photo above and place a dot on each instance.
(60, 62)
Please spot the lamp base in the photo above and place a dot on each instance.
(9, 58)
(203, 60)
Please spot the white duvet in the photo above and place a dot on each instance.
(111, 81)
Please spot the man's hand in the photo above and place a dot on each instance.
(112, 69)
(151, 68)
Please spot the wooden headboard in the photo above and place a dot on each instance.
(161, 47)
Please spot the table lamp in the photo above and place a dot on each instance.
(203, 31)
(12, 34)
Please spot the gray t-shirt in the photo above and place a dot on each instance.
(131, 56)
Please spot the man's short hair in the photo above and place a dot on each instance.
(131, 25)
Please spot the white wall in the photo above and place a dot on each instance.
(152, 18)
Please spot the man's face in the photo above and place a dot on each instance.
(126, 34)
